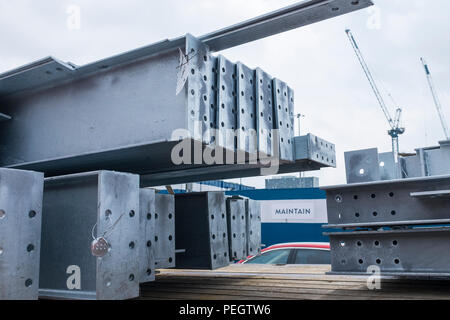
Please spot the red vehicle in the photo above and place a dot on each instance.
(293, 253)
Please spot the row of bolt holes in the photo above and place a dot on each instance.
(30, 247)
(339, 198)
(377, 244)
(132, 244)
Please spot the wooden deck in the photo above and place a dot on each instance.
(243, 282)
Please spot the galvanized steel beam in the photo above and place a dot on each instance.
(20, 233)
(389, 203)
(253, 225)
(411, 252)
(78, 208)
(237, 233)
(291, 17)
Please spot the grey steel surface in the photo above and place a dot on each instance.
(311, 153)
(76, 207)
(20, 233)
(80, 137)
(253, 221)
(237, 231)
(362, 165)
(201, 229)
(246, 109)
(164, 241)
(292, 183)
(147, 235)
(316, 149)
(35, 75)
(283, 118)
(389, 170)
(395, 202)
(226, 103)
(264, 112)
(419, 251)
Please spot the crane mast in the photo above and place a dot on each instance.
(395, 129)
(437, 102)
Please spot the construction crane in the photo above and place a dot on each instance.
(395, 130)
(437, 102)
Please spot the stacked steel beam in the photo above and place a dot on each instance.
(398, 227)
(123, 114)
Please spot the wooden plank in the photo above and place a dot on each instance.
(241, 282)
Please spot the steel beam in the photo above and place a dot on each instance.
(147, 225)
(300, 14)
(164, 244)
(76, 209)
(237, 233)
(85, 122)
(311, 153)
(20, 233)
(201, 229)
(411, 252)
(389, 203)
(253, 225)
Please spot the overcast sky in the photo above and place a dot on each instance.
(317, 61)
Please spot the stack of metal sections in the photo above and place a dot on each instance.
(225, 115)
(20, 233)
(163, 112)
(399, 226)
(201, 229)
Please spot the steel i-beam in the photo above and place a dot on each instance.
(20, 233)
(407, 252)
(201, 229)
(237, 233)
(73, 101)
(147, 225)
(91, 237)
(164, 244)
(390, 203)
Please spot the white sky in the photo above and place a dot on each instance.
(317, 61)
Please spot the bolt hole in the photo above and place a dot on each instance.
(170, 238)
(149, 272)
(28, 283)
(30, 247)
(149, 243)
(132, 213)
(395, 242)
(31, 214)
(396, 261)
(378, 261)
(132, 245)
(131, 277)
(149, 216)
